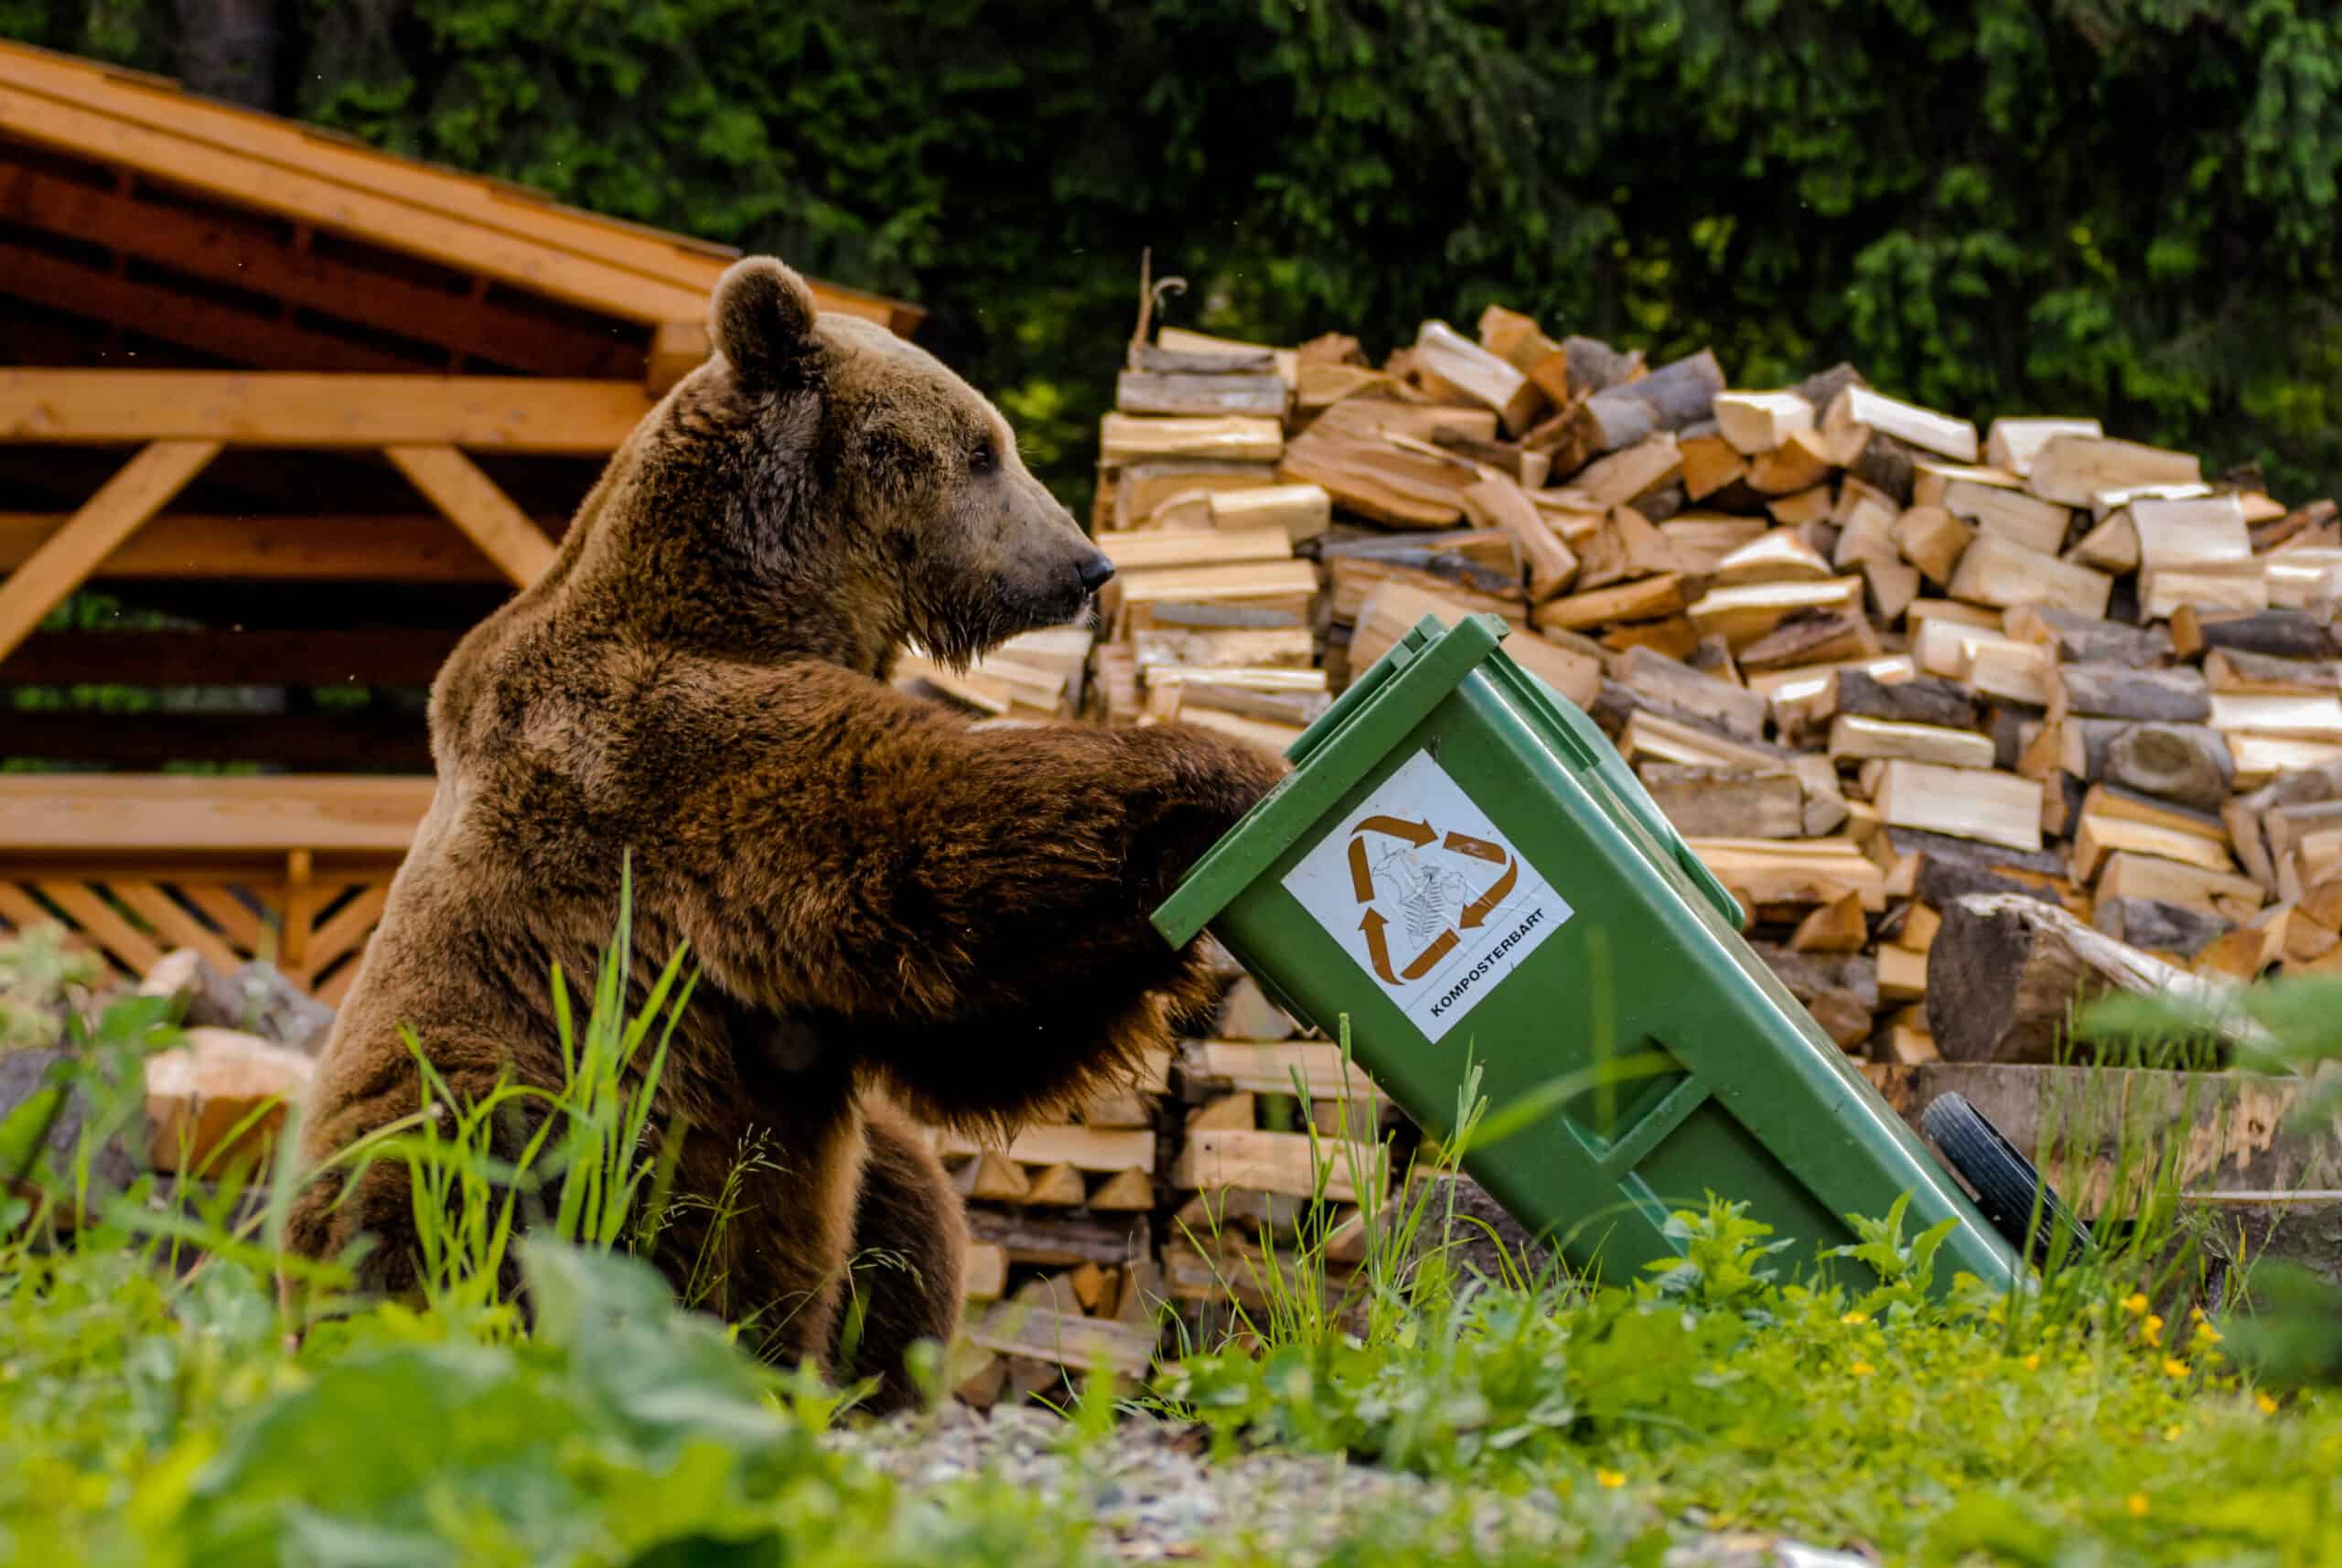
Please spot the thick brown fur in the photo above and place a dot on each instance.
(885, 901)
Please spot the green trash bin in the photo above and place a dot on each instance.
(1462, 866)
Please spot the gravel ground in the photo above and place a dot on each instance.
(1156, 1495)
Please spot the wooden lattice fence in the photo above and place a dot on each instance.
(293, 869)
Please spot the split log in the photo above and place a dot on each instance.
(1840, 992)
(1710, 462)
(1135, 439)
(1993, 507)
(1835, 927)
(1202, 361)
(1921, 700)
(1063, 1241)
(2281, 633)
(1758, 421)
(2185, 763)
(2129, 876)
(2073, 469)
(2111, 546)
(1483, 377)
(2087, 639)
(1961, 802)
(1922, 427)
(1719, 802)
(1885, 462)
(1996, 571)
(1773, 624)
(1631, 473)
(2007, 973)
(1501, 504)
(1798, 464)
(1648, 600)
(1778, 555)
(1932, 540)
(1303, 512)
(1735, 709)
(2258, 675)
(2117, 692)
(1671, 398)
(1855, 737)
(1173, 393)
(2207, 531)
(2012, 445)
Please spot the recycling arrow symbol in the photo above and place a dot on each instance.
(1421, 835)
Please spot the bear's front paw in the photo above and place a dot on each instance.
(1212, 781)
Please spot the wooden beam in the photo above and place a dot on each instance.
(362, 210)
(507, 414)
(142, 487)
(239, 335)
(453, 483)
(677, 347)
(244, 250)
(56, 815)
(373, 741)
(197, 548)
(535, 222)
(390, 656)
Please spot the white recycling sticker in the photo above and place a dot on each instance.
(1427, 895)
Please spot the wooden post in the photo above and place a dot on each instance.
(292, 936)
(453, 484)
(142, 487)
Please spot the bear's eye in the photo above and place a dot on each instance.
(983, 460)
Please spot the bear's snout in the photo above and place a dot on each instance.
(1094, 572)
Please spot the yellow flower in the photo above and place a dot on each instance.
(1613, 1479)
(2197, 1312)
(2137, 1503)
(1855, 1317)
(2033, 1362)
(2207, 1335)
(2268, 1406)
(2135, 1303)
(1862, 1368)
(2171, 1434)
(2173, 1368)
(2151, 1329)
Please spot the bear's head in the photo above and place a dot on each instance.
(820, 485)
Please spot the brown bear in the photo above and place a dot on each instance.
(883, 900)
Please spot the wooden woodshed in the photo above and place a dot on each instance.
(281, 416)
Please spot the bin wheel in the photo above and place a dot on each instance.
(2011, 1193)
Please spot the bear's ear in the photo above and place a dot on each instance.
(762, 320)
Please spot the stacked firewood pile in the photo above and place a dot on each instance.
(1870, 660)
(1861, 655)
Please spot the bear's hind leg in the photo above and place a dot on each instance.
(910, 1243)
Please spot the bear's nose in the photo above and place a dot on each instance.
(1095, 572)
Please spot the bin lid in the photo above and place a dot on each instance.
(1365, 725)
